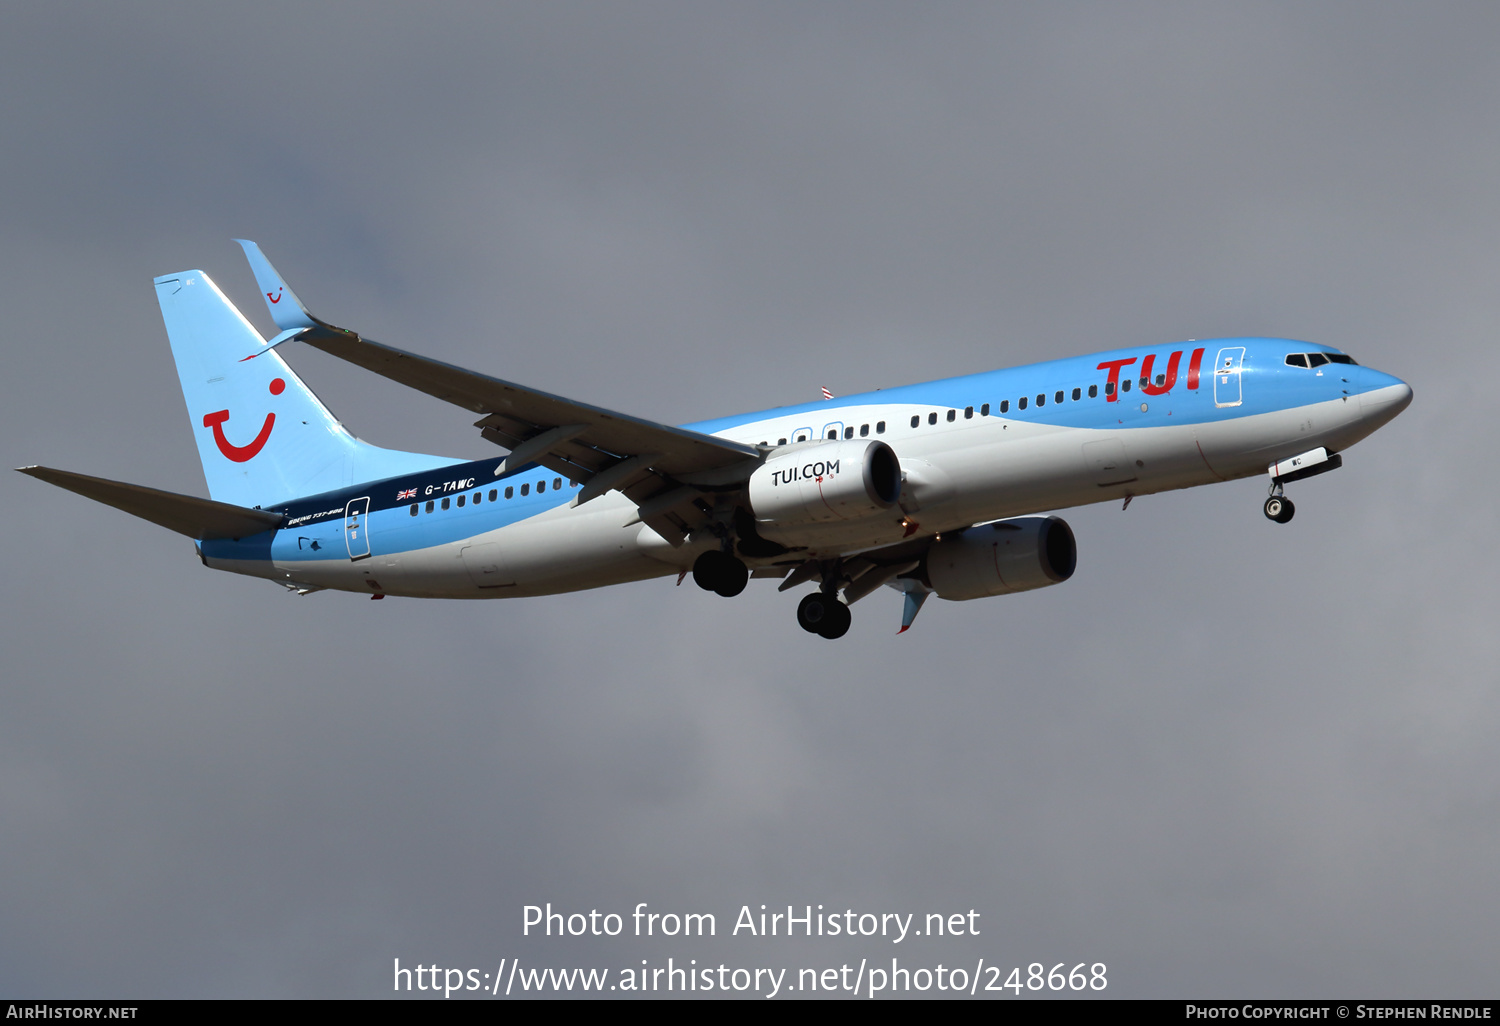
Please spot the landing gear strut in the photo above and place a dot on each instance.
(720, 572)
(823, 614)
(1278, 507)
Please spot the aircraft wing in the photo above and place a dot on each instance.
(515, 414)
(202, 519)
(667, 471)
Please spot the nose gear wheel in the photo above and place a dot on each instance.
(1279, 508)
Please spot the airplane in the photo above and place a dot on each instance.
(941, 488)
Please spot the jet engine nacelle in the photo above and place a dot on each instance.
(1003, 557)
(834, 480)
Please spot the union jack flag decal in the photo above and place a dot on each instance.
(410, 493)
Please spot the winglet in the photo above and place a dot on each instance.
(914, 599)
(286, 309)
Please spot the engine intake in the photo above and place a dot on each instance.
(835, 480)
(1004, 557)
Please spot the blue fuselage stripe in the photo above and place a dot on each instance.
(315, 528)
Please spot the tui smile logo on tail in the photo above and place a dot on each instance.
(242, 453)
(277, 299)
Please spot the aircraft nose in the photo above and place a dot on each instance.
(1383, 395)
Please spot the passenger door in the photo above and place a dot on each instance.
(1227, 376)
(356, 529)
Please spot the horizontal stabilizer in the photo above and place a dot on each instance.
(202, 519)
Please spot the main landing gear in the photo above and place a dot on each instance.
(820, 613)
(823, 614)
(718, 571)
(1278, 507)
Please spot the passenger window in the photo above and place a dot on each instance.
(1021, 403)
(880, 427)
(834, 433)
(1109, 388)
(915, 421)
(541, 486)
(1161, 379)
(1125, 385)
(932, 418)
(510, 493)
(556, 484)
(492, 495)
(525, 490)
(801, 437)
(414, 509)
(864, 430)
(1093, 391)
(1316, 359)
(1041, 399)
(477, 497)
(1004, 405)
(849, 431)
(968, 413)
(445, 502)
(429, 505)
(1077, 394)
(1058, 397)
(461, 499)
(952, 415)
(781, 441)
(984, 411)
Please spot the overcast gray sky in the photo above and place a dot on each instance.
(1227, 758)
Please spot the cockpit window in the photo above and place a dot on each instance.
(1318, 359)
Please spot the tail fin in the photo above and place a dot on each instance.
(263, 437)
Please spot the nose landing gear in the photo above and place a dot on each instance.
(1278, 507)
(1296, 468)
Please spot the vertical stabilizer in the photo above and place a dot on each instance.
(263, 437)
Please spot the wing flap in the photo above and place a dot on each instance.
(513, 408)
(565, 436)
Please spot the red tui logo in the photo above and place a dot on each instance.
(242, 453)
